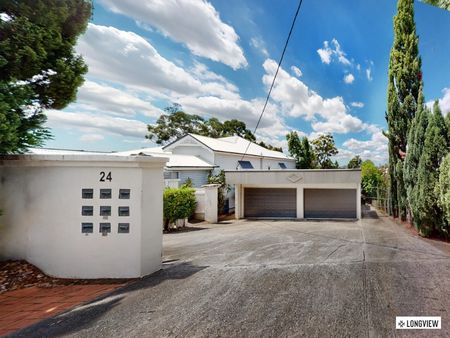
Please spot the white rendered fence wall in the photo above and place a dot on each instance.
(43, 216)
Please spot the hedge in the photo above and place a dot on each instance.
(179, 203)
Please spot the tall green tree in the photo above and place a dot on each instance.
(405, 79)
(176, 123)
(324, 148)
(443, 190)
(301, 150)
(39, 68)
(445, 4)
(354, 163)
(416, 141)
(430, 214)
(371, 179)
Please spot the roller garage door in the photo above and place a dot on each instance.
(330, 203)
(270, 202)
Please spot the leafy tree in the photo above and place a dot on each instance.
(405, 80)
(324, 148)
(301, 150)
(175, 123)
(371, 179)
(445, 4)
(270, 147)
(354, 163)
(39, 68)
(416, 140)
(430, 216)
(447, 123)
(443, 190)
(222, 191)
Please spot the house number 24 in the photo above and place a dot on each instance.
(105, 177)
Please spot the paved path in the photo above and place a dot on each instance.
(24, 307)
(274, 278)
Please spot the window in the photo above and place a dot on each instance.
(282, 165)
(87, 210)
(105, 193)
(87, 228)
(105, 227)
(124, 228)
(105, 211)
(124, 194)
(87, 193)
(245, 164)
(124, 211)
(171, 175)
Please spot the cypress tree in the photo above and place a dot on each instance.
(405, 80)
(416, 139)
(430, 215)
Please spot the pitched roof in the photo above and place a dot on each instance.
(238, 145)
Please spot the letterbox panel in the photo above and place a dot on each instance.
(87, 228)
(105, 227)
(105, 193)
(105, 210)
(124, 194)
(87, 210)
(124, 211)
(87, 193)
(124, 228)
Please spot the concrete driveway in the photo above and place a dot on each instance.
(277, 278)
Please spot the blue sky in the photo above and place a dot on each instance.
(217, 58)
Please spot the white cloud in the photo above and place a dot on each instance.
(113, 101)
(91, 137)
(297, 100)
(194, 23)
(444, 102)
(127, 58)
(296, 71)
(349, 78)
(369, 74)
(326, 53)
(357, 104)
(340, 53)
(96, 123)
(259, 45)
(358, 67)
(376, 148)
(5, 17)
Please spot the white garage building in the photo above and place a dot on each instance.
(301, 194)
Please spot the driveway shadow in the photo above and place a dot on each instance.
(76, 319)
(369, 213)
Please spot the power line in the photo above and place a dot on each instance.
(276, 73)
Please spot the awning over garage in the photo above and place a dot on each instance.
(270, 202)
(329, 203)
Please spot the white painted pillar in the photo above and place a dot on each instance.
(211, 202)
(358, 202)
(300, 204)
(237, 201)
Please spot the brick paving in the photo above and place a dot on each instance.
(24, 307)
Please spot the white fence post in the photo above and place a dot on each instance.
(211, 202)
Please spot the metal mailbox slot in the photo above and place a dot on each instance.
(105, 210)
(124, 194)
(124, 228)
(124, 211)
(87, 228)
(87, 210)
(87, 193)
(105, 193)
(105, 227)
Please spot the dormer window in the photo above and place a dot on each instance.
(282, 165)
(245, 164)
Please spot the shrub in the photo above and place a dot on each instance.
(178, 204)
